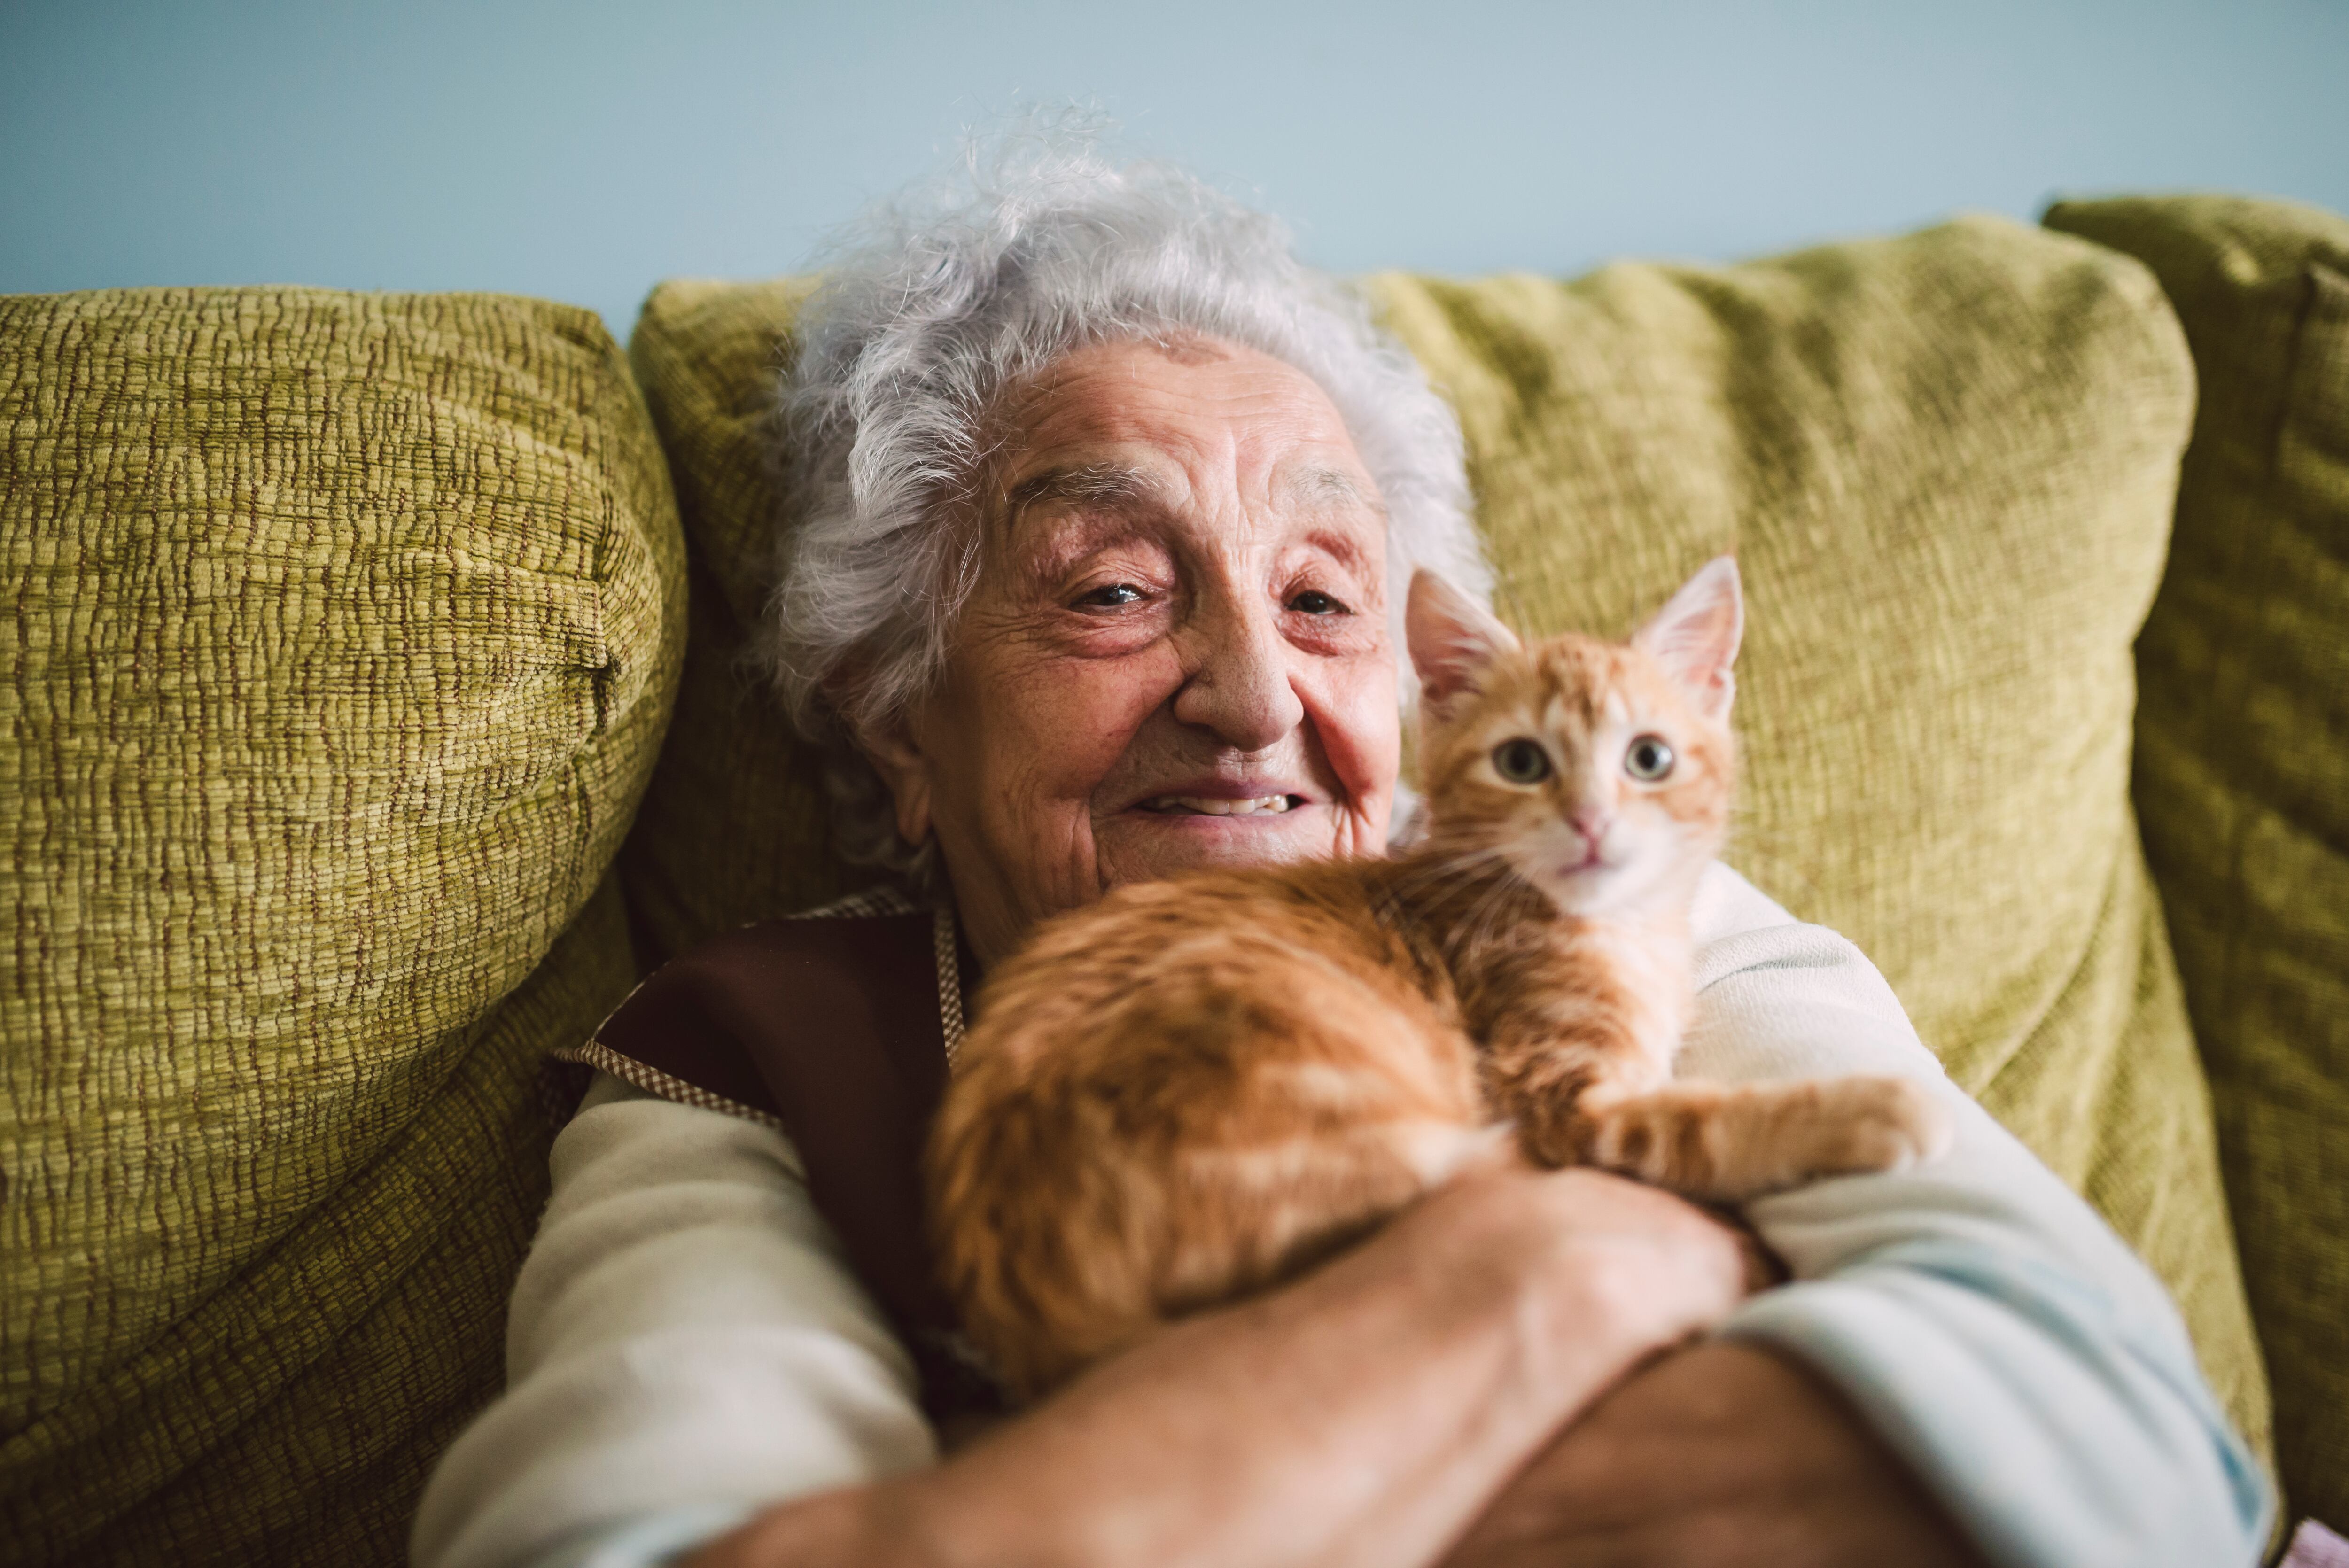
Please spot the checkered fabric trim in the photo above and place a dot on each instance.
(877, 901)
(949, 982)
(652, 1080)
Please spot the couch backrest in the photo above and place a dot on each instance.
(341, 633)
(1947, 462)
(2242, 761)
(347, 626)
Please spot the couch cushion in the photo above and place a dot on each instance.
(1947, 462)
(733, 828)
(2242, 762)
(342, 632)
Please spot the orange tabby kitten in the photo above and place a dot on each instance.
(1195, 1087)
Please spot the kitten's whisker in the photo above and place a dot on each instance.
(1421, 895)
(1495, 911)
(1483, 894)
(1444, 871)
(1452, 878)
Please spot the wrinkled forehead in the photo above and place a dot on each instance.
(1114, 478)
(1133, 425)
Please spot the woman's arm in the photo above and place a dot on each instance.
(683, 1339)
(1975, 1314)
(1361, 1417)
(1721, 1454)
(686, 1348)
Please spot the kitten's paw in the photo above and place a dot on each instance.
(1891, 1124)
(1552, 1136)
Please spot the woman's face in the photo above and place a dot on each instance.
(1177, 653)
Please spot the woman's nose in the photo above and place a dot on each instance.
(1239, 680)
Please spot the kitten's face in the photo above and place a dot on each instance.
(1600, 772)
(1587, 769)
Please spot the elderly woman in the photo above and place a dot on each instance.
(1100, 507)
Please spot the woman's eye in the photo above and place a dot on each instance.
(1110, 597)
(1313, 602)
(1521, 761)
(1649, 758)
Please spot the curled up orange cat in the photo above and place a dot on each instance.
(1196, 1086)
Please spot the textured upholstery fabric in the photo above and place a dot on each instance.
(2242, 762)
(733, 828)
(1947, 462)
(342, 631)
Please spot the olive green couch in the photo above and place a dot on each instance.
(373, 716)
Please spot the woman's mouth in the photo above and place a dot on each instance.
(1210, 806)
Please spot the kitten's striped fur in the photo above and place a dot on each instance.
(1194, 1088)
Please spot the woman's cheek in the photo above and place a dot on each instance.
(1353, 711)
(1088, 711)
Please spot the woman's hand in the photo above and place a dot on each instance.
(1721, 1454)
(1610, 1254)
(1363, 1415)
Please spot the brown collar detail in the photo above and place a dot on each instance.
(836, 1031)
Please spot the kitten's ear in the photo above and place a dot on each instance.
(1695, 636)
(1451, 639)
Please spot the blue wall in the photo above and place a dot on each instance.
(583, 150)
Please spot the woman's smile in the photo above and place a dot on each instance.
(1209, 806)
(1177, 653)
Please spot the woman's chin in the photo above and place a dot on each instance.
(1135, 845)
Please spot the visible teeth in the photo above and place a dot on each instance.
(1208, 806)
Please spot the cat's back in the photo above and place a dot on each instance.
(1252, 943)
(1182, 1093)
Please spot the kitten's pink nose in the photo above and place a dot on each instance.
(1593, 822)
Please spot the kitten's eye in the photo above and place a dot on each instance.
(1648, 758)
(1111, 597)
(1521, 761)
(1313, 602)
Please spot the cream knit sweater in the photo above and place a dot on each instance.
(687, 1345)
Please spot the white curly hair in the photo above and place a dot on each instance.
(1039, 241)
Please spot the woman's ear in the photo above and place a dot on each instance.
(1452, 638)
(896, 754)
(1694, 636)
